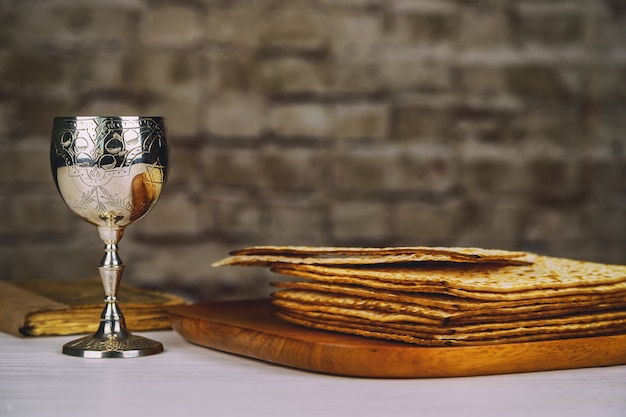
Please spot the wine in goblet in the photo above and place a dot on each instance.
(110, 171)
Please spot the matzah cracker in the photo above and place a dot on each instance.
(442, 316)
(406, 336)
(268, 255)
(547, 277)
(434, 326)
(619, 287)
(450, 303)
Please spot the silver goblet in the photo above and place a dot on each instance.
(110, 172)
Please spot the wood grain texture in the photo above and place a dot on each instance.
(249, 328)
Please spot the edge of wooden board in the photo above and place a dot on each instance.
(249, 328)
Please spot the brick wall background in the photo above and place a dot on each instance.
(322, 122)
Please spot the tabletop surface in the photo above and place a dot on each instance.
(36, 379)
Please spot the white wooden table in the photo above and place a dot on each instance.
(36, 379)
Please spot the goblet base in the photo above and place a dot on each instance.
(130, 347)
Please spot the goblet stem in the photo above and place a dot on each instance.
(111, 265)
(112, 323)
(112, 339)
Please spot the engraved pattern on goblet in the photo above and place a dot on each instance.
(110, 171)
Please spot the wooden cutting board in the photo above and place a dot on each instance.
(249, 328)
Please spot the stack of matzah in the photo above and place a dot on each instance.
(443, 296)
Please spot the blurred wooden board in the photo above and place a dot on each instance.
(249, 328)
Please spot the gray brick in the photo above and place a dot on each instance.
(297, 26)
(405, 70)
(5, 116)
(357, 35)
(488, 171)
(310, 120)
(294, 76)
(486, 27)
(175, 215)
(360, 221)
(180, 108)
(609, 84)
(74, 26)
(238, 215)
(362, 121)
(34, 214)
(490, 222)
(605, 221)
(474, 127)
(295, 222)
(223, 25)
(411, 122)
(551, 30)
(231, 72)
(103, 104)
(99, 72)
(606, 176)
(186, 166)
(53, 261)
(187, 268)
(290, 169)
(556, 180)
(151, 71)
(23, 72)
(27, 163)
(361, 76)
(238, 115)
(421, 223)
(547, 227)
(171, 26)
(482, 80)
(423, 6)
(540, 82)
(609, 126)
(353, 4)
(235, 167)
(188, 263)
(563, 126)
(35, 115)
(413, 169)
(426, 28)
(608, 29)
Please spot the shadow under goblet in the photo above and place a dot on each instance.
(110, 172)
